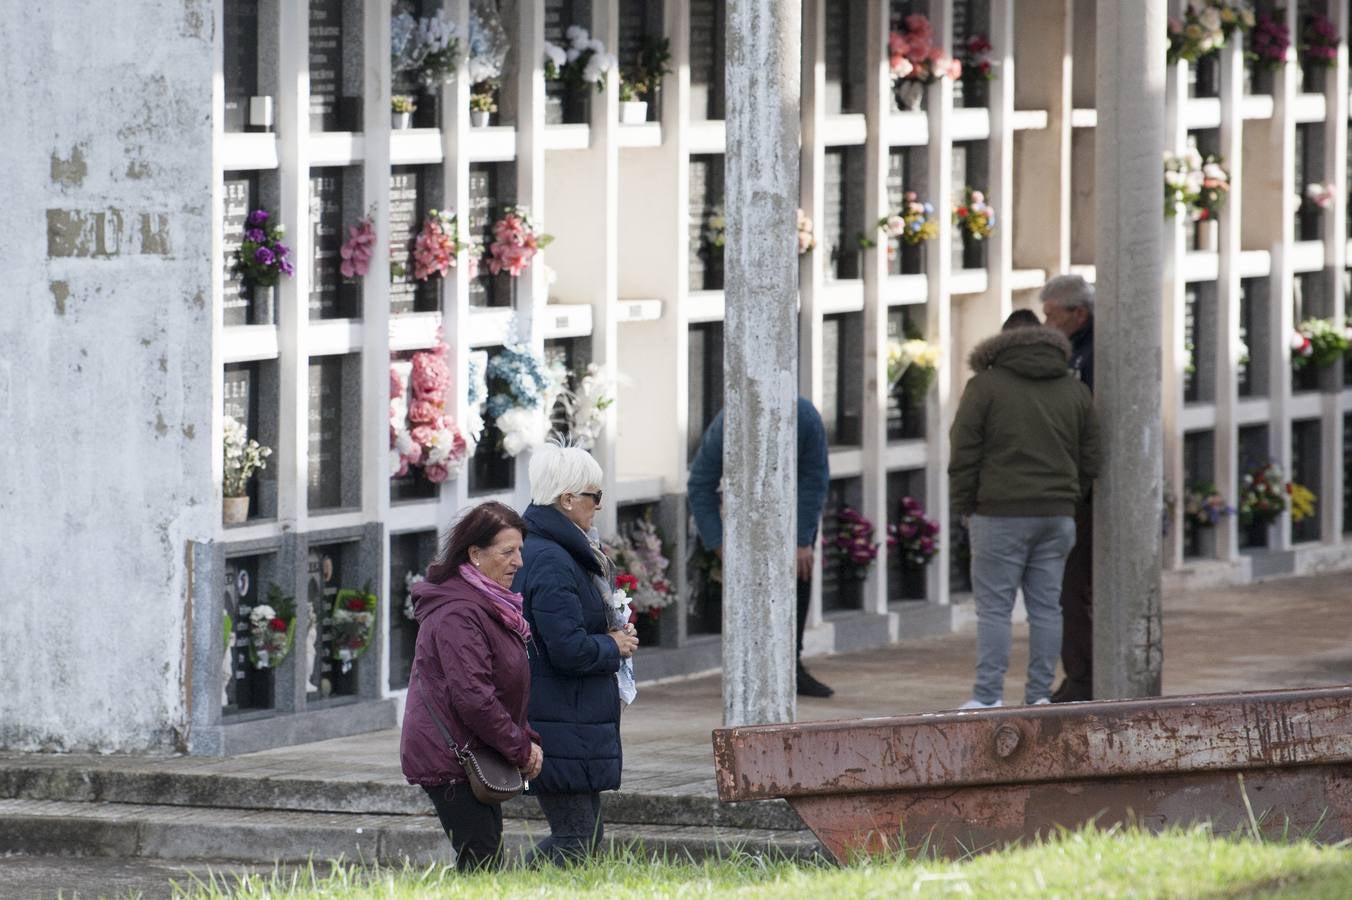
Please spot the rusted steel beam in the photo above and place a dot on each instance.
(971, 778)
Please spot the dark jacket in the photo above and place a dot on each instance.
(474, 673)
(1082, 354)
(574, 700)
(814, 477)
(1025, 439)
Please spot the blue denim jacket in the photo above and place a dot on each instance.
(814, 475)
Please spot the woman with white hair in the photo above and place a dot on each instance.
(566, 580)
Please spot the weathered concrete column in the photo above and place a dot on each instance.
(760, 446)
(1129, 145)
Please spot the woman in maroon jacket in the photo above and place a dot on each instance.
(470, 670)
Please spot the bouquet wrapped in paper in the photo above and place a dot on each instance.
(619, 618)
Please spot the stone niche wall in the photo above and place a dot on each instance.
(105, 368)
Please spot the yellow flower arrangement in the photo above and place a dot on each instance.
(1303, 502)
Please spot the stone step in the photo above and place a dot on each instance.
(145, 784)
(52, 827)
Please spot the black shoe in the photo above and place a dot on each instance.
(811, 687)
(1072, 692)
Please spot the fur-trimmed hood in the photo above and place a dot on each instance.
(1033, 352)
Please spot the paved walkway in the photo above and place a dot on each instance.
(1286, 634)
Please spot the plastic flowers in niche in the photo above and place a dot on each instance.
(1205, 26)
(1270, 45)
(1319, 341)
(584, 408)
(974, 215)
(262, 259)
(638, 550)
(851, 545)
(914, 222)
(640, 79)
(1319, 41)
(1204, 505)
(243, 457)
(421, 434)
(584, 61)
(911, 54)
(806, 239)
(1194, 185)
(488, 46)
(272, 629)
(1303, 502)
(912, 363)
(357, 249)
(354, 623)
(1319, 194)
(515, 242)
(437, 246)
(521, 388)
(1262, 494)
(715, 232)
(914, 535)
(979, 57)
(424, 48)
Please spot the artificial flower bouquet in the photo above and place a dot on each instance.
(1319, 40)
(262, 259)
(850, 544)
(974, 215)
(423, 47)
(272, 629)
(638, 550)
(1194, 185)
(1203, 504)
(1263, 494)
(1319, 341)
(516, 240)
(354, 624)
(583, 62)
(806, 239)
(421, 434)
(355, 253)
(979, 57)
(1319, 195)
(914, 222)
(914, 361)
(523, 389)
(1303, 502)
(437, 246)
(912, 55)
(243, 457)
(913, 537)
(1205, 26)
(1270, 44)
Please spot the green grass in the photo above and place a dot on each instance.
(1084, 864)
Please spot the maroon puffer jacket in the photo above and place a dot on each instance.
(475, 674)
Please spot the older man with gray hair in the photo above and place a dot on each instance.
(1068, 305)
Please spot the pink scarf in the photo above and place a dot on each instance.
(506, 604)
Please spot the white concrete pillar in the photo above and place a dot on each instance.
(1130, 142)
(760, 448)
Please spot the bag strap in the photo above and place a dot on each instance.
(456, 750)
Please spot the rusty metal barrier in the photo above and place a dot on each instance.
(961, 781)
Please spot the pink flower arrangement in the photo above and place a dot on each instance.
(421, 434)
(851, 545)
(911, 53)
(437, 245)
(515, 242)
(980, 56)
(1319, 40)
(914, 536)
(356, 250)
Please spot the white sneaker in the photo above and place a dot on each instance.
(977, 704)
(1042, 701)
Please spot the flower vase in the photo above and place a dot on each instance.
(973, 251)
(427, 113)
(235, 510)
(912, 259)
(479, 118)
(400, 120)
(262, 305)
(633, 112)
(910, 95)
(553, 109)
(1257, 533)
(912, 585)
(1312, 75)
(1206, 235)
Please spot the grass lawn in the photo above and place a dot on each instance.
(1084, 864)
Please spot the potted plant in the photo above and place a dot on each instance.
(481, 105)
(976, 219)
(642, 80)
(402, 108)
(243, 457)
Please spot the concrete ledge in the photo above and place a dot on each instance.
(285, 729)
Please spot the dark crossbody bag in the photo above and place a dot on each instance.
(491, 778)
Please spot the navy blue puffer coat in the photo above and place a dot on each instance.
(574, 700)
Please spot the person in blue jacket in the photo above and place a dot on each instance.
(567, 582)
(814, 475)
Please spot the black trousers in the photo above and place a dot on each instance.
(1077, 612)
(475, 828)
(804, 598)
(575, 828)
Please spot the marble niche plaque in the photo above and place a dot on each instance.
(331, 296)
(240, 51)
(331, 106)
(241, 304)
(707, 34)
(324, 488)
(408, 204)
(490, 186)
